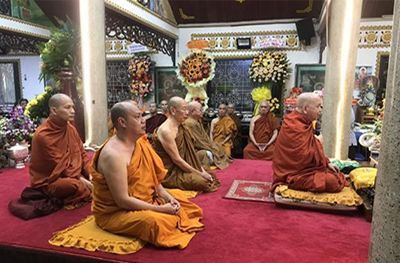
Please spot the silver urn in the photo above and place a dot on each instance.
(18, 153)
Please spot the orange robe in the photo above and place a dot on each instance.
(202, 143)
(237, 138)
(222, 129)
(154, 122)
(263, 130)
(176, 177)
(145, 172)
(58, 161)
(299, 160)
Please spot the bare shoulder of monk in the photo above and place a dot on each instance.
(113, 153)
(166, 132)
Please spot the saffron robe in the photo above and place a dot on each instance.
(176, 177)
(222, 129)
(263, 130)
(58, 161)
(145, 172)
(154, 122)
(299, 160)
(202, 142)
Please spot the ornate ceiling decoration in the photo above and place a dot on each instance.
(12, 43)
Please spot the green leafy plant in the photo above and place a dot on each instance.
(38, 108)
(60, 52)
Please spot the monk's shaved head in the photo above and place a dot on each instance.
(306, 98)
(120, 109)
(194, 105)
(175, 102)
(58, 99)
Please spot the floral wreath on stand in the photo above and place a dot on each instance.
(268, 67)
(139, 71)
(195, 71)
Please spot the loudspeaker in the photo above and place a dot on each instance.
(305, 30)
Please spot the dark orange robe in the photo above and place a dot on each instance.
(145, 172)
(58, 161)
(202, 142)
(176, 177)
(299, 160)
(263, 130)
(237, 138)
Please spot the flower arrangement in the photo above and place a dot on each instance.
(60, 52)
(269, 66)
(196, 69)
(139, 71)
(290, 102)
(38, 108)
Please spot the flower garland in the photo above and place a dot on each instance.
(139, 71)
(264, 94)
(269, 66)
(196, 69)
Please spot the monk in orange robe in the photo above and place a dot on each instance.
(59, 166)
(237, 137)
(223, 129)
(128, 198)
(215, 154)
(299, 160)
(174, 145)
(263, 132)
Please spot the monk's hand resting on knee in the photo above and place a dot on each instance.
(168, 208)
(87, 183)
(206, 175)
(175, 203)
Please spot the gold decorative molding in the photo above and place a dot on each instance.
(308, 8)
(128, 13)
(116, 46)
(379, 55)
(224, 44)
(21, 31)
(185, 16)
(11, 18)
(375, 36)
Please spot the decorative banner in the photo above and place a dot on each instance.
(136, 48)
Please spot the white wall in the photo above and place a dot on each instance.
(30, 70)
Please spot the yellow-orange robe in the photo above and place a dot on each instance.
(58, 161)
(299, 160)
(263, 130)
(145, 172)
(222, 129)
(202, 143)
(176, 177)
(237, 138)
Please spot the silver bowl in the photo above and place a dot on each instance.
(18, 153)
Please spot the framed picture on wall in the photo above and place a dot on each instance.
(167, 84)
(381, 71)
(310, 77)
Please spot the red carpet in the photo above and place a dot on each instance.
(250, 191)
(236, 231)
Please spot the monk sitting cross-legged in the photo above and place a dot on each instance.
(223, 129)
(263, 132)
(59, 166)
(299, 160)
(174, 145)
(202, 143)
(128, 198)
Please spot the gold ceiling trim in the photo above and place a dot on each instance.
(127, 13)
(379, 55)
(166, 19)
(23, 21)
(377, 27)
(308, 8)
(379, 36)
(185, 16)
(246, 33)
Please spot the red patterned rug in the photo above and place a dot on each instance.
(250, 190)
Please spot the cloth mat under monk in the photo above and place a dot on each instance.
(250, 191)
(87, 235)
(347, 197)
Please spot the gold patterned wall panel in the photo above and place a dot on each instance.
(375, 36)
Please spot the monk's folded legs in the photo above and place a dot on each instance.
(70, 190)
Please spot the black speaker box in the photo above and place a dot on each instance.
(305, 30)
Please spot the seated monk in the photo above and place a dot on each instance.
(299, 160)
(223, 129)
(237, 138)
(174, 145)
(59, 166)
(164, 108)
(154, 121)
(128, 198)
(201, 141)
(262, 133)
